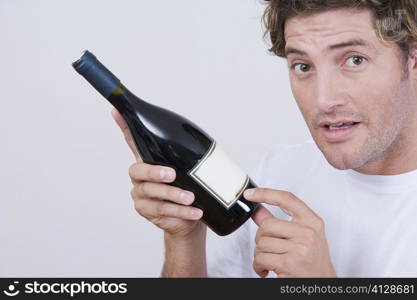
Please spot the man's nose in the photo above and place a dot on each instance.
(329, 92)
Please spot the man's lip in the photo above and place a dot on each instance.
(328, 123)
(339, 135)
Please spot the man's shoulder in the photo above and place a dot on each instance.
(284, 164)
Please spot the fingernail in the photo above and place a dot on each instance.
(166, 173)
(196, 213)
(249, 193)
(187, 197)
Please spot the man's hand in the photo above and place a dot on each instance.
(166, 206)
(296, 248)
(170, 209)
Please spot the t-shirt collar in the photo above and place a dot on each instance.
(385, 183)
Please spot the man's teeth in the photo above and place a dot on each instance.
(340, 126)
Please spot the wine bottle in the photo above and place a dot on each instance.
(163, 137)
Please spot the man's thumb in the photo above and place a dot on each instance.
(261, 214)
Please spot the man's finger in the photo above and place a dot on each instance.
(162, 191)
(274, 227)
(264, 262)
(273, 245)
(261, 214)
(146, 172)
(125, 129)
(285, 200)
(155, 209)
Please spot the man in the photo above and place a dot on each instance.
(344, 205)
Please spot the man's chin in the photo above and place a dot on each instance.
(344, 161)
(342, 156)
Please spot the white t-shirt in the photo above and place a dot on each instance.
(370, 220)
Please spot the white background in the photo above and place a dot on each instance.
(64, 185)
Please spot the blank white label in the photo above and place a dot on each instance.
(220, 176)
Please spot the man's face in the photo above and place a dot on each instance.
(351, 88)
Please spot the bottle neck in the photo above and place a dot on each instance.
(96, 74)
(124, 100)
(106, 83)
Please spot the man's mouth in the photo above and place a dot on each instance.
(339, 125)
(338, 131)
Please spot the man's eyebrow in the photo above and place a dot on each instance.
(290, 50)
(354, 42)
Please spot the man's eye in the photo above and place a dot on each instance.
(354, 61)
(301, 68)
